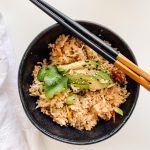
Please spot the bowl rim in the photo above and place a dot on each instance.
(113, 132)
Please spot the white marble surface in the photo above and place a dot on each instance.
(129, 18)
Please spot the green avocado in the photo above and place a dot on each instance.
(82, 87)
(91, 64)
(103, 77)
(83, 79)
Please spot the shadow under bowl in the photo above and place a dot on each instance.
(37, 50)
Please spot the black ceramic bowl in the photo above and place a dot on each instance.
(38, 50)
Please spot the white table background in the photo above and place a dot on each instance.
(129, 18)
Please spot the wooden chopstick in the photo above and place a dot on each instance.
(133, 75)
(120, 61)
(132, 66)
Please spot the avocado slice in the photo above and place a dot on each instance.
(78, 82)
(85, 79)
(77, 79)
(82, 87)
(103, 77)
(78, 65)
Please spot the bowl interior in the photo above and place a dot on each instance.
(38, 50)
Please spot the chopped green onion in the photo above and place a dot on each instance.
(70, 100)
(41, 88)
(118, 111)
(53, 109)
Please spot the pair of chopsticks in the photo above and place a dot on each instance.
(98, 45)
